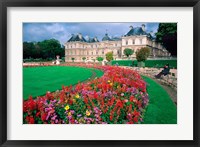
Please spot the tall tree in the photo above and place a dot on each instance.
(28, 50)
(109, 56)
(167, 35)
(142, 54)
(44, 49)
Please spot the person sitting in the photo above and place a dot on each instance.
(164, 72)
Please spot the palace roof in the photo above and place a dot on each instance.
(91, 40)
(132, 32)
(77, 37)
(136, 31)
(106, 38)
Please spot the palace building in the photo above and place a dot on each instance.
(77, 47)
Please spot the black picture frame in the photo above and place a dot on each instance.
(4, 4)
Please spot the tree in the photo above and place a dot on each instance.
(28, 50)
(128, 52)
(45, 49)
(109, 56)
(167, 35)
(73, 59)
(142, 54)
(99, 59)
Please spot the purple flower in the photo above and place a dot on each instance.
(79, 115)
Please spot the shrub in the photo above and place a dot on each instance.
(148, 63)
(83, 58)
(99, 59)
(128, 52)
(142, 54)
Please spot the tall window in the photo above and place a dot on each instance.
(102, 52)
(133, 42)
(126, 42)
(97, 52)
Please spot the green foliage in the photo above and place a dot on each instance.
(44, 49)
(142, 54)
(167, 35)
(148, 63)
(83, 58)
(73, 59)
(109, 56)
(128, 52)
(99, 59)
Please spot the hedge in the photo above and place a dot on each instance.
(148, 63)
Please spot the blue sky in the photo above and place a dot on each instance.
(62, 31)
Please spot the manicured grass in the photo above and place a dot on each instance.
(38, 80)
(148, 63)
(161, 109)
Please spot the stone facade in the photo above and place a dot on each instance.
(78, 47)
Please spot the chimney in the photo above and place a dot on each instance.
(143, 27)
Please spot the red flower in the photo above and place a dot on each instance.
(37, 114)
(119, 104)
(43, 116)
(136, 113)
(135, 119)
(111, 117)
(31, 120)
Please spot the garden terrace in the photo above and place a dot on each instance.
(119, 96)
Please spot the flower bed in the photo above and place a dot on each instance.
(118, 97)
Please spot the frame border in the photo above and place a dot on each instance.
(97, 3)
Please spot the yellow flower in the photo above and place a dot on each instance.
(108, 81)
(69, 114)
(111, 84)
(77, 96)
(87, 113)
(74, 100)
(67, 107)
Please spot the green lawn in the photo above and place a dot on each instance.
(161, 109)
(38, 80)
